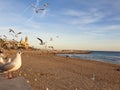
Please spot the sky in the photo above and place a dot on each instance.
(72, 24)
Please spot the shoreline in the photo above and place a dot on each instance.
(54, 72)
(90, 60)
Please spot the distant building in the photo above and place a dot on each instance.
(24, 44)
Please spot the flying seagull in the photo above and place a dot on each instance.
(13, 33)
(46, 4)
(11, 66)
(40, 9)
(40, 41)
(93, 77)
(11, 30)
(37, 10)
(18, 34)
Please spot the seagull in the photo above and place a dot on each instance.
(46, 4)
(1, 57)
(11, 30)
(37, 10)
(13, 33)
(12, 65)
(93, 77)
(40, 9)
(18, 34)
(42, 43)
(2, 61)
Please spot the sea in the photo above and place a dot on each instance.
(102, 56)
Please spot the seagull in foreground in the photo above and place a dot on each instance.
(2, 61)
(1, 57)
(11, 65)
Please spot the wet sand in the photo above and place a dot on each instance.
(44, 71)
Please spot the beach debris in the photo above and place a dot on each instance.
(47, 89)
(14, 65)
(67, 56)
(20, 74)
(118, 69)
(76, 89)
(25, 74)
(35, 79)
(93, 76)
(28, 81)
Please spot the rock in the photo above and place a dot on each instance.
(18, 83)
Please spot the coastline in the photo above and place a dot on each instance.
(43, 71)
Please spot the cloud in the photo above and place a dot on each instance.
(78, 17)
(103, 32)
(73, 13)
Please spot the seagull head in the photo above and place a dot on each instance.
(1, 51)
(20, 51)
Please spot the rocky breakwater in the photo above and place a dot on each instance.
(71, 52)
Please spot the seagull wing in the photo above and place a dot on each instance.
(40, 40)
(5, 36)
(6, 67)
(41, 9)
(46, 4)
(33, 6)
(19, 33)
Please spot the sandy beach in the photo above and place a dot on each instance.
(52, 72)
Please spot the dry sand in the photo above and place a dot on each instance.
(44, 71)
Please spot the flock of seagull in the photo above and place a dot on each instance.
(39, 9)
(10, 65)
